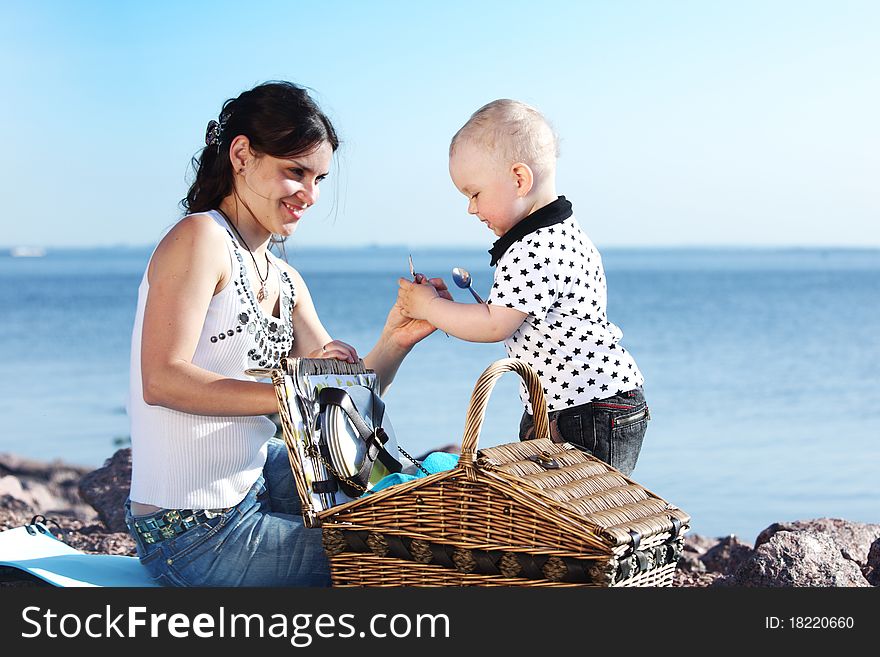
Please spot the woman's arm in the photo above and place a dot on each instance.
(189, 266)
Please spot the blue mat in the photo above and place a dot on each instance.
(34, 550)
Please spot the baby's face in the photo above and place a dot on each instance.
(491, 191)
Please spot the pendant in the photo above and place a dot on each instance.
(261, 295)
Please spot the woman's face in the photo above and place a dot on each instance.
(279, 190)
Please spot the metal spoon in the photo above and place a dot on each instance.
(463, 279)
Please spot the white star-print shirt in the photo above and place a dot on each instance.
(555, 275)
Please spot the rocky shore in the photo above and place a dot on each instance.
(84, 508)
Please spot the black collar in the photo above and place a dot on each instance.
(552, 213)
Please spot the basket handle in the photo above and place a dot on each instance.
(480, 399)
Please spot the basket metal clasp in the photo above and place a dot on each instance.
(545, 460)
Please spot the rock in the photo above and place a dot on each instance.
(93, 538)
(106, 489)
(689, 562)
(853, 538)
(14, 512)
(681, 579)
(699, 544)
(57, 482)
(726, 556)
(36, 495)
(804, 557)
(873, 565)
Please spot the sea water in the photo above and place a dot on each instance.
(760, 366)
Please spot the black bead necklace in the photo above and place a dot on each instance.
(261, 295)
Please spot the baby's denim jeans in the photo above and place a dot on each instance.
(611, 429)
(261, 541)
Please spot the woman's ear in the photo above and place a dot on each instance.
(240, 153)
(523, 178)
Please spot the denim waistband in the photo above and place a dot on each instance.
(590, 404)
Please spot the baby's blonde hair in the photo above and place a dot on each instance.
(513, 132)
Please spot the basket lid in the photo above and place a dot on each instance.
(596, 493)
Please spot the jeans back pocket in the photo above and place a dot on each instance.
(577, 429)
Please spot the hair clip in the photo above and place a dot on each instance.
(212, 134)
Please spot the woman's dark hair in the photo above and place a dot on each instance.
(279, 118)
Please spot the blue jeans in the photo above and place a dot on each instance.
(261, 541)
(611, 429)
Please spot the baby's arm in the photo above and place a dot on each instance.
(474, 322)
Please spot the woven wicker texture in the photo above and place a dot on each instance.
(533, 513)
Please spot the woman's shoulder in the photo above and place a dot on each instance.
(198, 228)
(195, 238)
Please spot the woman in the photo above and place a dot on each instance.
(212, 499)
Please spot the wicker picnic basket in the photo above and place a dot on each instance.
(533, 513)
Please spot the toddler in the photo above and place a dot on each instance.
(548, 298)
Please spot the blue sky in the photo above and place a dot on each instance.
(682, 123)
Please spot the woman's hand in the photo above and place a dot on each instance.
(336, 349)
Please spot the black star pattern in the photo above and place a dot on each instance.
(559, 334)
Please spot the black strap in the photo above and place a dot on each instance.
(374, 440)
(338, 397)
(325, 486)
(398, 547)
(357, 541)
(636, 539)
(486, 563)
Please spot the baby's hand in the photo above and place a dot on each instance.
(414, 298)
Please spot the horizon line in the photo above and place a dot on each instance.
(9, 248)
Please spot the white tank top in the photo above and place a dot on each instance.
(184, 461)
